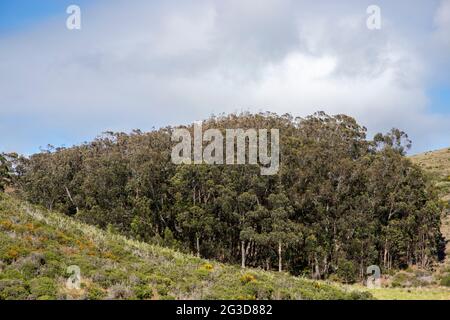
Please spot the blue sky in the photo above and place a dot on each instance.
(440, 99)
(144, 64)
(22, 14)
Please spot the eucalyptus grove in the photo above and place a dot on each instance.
(339, 202)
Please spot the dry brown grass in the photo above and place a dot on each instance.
(434, 161)
(437, 164)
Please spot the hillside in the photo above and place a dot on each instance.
(339, 203)
(37, 246)
(90, 200)
(437, 164)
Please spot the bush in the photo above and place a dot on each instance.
(11, 274)
(43, 287)
(360, 295)
(208, 266)
(401, 280)
(247, 277)
(13, 290)
(110, 277)
(120, 291)
(347, 271)
(143, 292)
(12, 253)
(445, 281)
(95, 293)
(259, 290)
(417, 278)
(162, 290)
(31, 265)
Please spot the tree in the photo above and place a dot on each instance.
(197, 223)
(4, 173)
(339, 203)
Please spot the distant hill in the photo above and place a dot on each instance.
(37, 247)
(437, 164)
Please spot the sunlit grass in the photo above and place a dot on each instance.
(428, 293)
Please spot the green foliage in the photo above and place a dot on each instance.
(247, 278)
(347, 271)
(138, 271)
(339, 203)
(4, 173)
(411, 278)
(143, 292)
(96, 293)
(43, 288)
(13, 290)
(445, 281)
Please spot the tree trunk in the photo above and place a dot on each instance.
(198, 246)
(70, 198)
(316, 268)
(243, 254)
(280, 268)
(268, 264)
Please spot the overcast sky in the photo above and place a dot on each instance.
(144, 64)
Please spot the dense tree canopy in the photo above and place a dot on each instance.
(338, 204)
(4, 173)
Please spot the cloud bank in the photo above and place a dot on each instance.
(142, 64)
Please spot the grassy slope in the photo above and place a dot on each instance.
(37, 246)
(437, 164)
(426, 293)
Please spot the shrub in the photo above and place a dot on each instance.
(247, 277)
(360, 295)
(445, 281)
(162, 290)
(417, 278)
(202, 273)
(347, 271)
(259, 290)
(120, 291)
(13, 290)
(11, 274)
(401, 279)
(43, 287)
(143, 292)
(11, 254)
(95, 293)
(30, 266)
(208, 266)
(110, 277)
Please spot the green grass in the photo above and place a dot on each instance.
(37, 247)
(433, 293)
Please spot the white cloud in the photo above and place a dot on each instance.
(146, 63)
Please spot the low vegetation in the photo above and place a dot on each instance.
(37, 246)
(419, 293)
